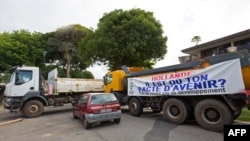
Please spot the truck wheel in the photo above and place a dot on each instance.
(135, 107)
(33, 109)
(176, 111)
(212, 115)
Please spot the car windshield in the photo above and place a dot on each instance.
(103, 98)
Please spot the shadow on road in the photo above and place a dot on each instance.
(159, 131)
(57, 110)
(6, 116)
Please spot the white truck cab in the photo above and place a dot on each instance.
(23, 80)
(29, 93)
(24, 86)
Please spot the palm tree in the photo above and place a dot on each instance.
(196, 39)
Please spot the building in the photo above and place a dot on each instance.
(240, 41)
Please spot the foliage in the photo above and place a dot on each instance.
(82, 74)
(20, 47)
(196, 39)
(44, 70)
(245, 115)
(5, 77)
(132, 38)
(61, 72)
(63, 47)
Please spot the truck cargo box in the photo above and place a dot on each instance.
(72, 85)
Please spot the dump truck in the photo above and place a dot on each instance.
(211, 91)
(29, 93)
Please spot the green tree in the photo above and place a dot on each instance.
(61, 73)
(82, 74)
(20, 47)
(196, 39)
(132, 37)
(5, 77)
(63, 47)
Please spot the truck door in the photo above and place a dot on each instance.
(23, 82)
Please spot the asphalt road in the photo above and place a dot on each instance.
(57, 124)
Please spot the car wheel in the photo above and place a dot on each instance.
(117, 120)
(86, 124)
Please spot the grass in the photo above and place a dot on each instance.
(245, 115)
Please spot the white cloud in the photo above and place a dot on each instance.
(181, 19)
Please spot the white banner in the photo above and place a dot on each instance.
(218, 79)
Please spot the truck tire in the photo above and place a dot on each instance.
(176, 111)
(212, 114)
(135, 107)
(33, 109)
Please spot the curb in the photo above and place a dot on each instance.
(11, 121)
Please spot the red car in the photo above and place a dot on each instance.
(97, 107)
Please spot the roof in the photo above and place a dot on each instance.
(217, 42)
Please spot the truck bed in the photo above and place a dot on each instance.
(73, 85)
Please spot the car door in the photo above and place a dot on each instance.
(83, 105)
(76, 106)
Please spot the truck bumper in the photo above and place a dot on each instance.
(12, 103)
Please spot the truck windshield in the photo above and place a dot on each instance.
(23, 76)
(107, 79)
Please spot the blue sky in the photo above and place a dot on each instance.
(181, 19)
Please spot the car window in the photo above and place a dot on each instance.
(103, 98)
(82, 100)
